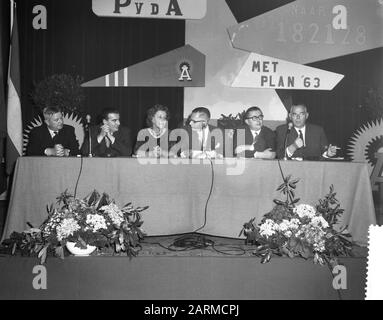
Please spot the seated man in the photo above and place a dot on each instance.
(109, 139)
(304, 140)
(53, 137)
(254, 140)
(203, 140)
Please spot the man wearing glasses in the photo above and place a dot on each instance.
(204, 140)
(302, 140)
(254, 140)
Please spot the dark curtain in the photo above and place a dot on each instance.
(78, 42)
(4, 48)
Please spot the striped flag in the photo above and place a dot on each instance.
(14, 122)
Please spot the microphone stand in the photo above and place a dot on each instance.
(89, 135)
(203, 139)
(90, 142)
(285, 142)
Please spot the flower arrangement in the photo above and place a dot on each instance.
(95, 220)
(60, 90)
(300, 230)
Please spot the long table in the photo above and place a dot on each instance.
(178, 193)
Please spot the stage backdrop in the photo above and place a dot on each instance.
(355, 100)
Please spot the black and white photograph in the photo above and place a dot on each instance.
(191, 155)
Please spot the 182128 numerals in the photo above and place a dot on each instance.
(299, 32)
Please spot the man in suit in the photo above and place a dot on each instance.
(53, 137)
(203, 140)
(254, 140)
(302, 140)
(110, 139)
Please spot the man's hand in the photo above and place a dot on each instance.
(59, 149)
(104, 131)
(331, 151)
(266, 154)
(56, 151)
(213, 154)
(298, 143)
(186, 154)
(245, 147)
(50, 152)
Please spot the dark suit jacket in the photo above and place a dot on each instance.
(122, 146)
(265, 140)
(40, 139)
(215, 140)
(315, 142)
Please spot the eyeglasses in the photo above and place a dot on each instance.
(300, 115)
(197, 121)
(260, 117)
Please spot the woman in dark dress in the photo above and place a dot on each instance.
(153, 142)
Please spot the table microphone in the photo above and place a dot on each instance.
(87, 126)
(289, 127)
(204, 125)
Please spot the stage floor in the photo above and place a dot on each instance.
(199, 274)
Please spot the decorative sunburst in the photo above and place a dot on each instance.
(184, 62)
(367, 140)
(69, 119)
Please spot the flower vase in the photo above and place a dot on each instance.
(71, 246)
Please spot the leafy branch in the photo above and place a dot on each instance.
(288, 189)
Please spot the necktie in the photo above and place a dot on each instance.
(301, 136)
(202, 139)
(255, 138)
(55, 133)
(107, 142)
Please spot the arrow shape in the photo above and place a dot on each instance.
(266, 72)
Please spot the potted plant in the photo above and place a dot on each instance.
(61, 90)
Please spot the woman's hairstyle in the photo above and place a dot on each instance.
(153, 110)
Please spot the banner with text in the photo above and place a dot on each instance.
(166, 9)
(306, 31)
(265, 72)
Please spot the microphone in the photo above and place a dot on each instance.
(204, 125)
(289, 127)
(87, 126)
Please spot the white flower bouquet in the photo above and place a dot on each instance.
(95, 220)
(300, 230)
